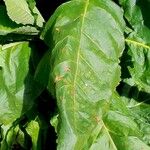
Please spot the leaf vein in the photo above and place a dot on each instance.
(137, 43)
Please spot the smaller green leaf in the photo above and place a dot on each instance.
(35, 12)
(139, 50)
(138, 45)
(12, 137)
(24, 12)
(39, 19)
(19, 11)
(33, 130)
(137, 105)
(141, 113)
(17, 88)
(54, 121)
(7, 26)
(16, 136)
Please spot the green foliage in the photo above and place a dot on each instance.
(96, 66)
(8, 27)
(20, 12)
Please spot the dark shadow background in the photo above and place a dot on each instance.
(47, 7)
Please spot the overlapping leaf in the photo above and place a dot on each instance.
(32, 130)
(16, 88)
(20, 12)
(7, 26)
(139, 49)
(14, 137)
(39, 20)
(137, 88)
(17, 96)
(138, 41)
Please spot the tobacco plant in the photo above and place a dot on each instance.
(79, 81)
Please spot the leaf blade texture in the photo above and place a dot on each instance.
(86, 38)
(24, 12)
(16, 88)
(7, 26)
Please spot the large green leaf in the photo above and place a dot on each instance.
(87, 41)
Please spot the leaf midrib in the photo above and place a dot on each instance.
(77, 67)
(78, 56)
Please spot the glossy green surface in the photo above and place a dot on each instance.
(86, 39)
(97, 69)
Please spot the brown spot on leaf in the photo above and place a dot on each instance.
(66, 68)
(97, 119)
(58, 78)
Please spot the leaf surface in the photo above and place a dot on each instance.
(138, 44)
(24, 12)
(7, 26)
(19, 11)
(16, 88)
(87, 40)
(140, 52)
